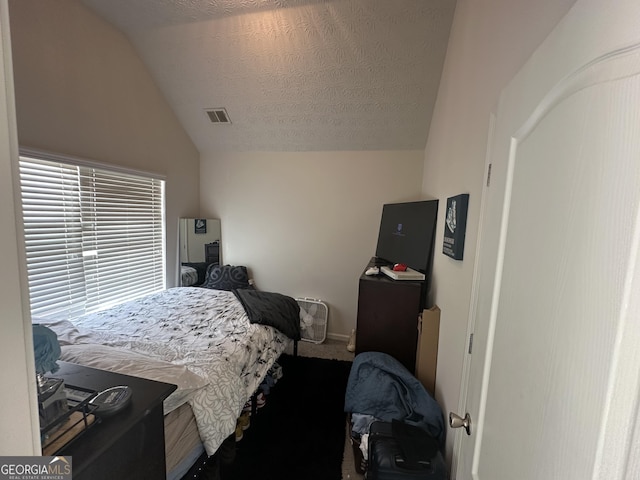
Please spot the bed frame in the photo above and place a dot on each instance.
(208, 467)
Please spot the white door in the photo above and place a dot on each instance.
(554, 375)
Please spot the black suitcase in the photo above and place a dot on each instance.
(402, 452)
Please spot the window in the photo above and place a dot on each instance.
(94, 238)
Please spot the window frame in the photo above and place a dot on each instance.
(90, 299)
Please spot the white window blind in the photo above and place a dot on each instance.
(94, 238)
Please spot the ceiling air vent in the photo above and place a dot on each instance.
(218, 115)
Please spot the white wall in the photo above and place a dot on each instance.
(81, 90)
(19, 420)
(306, 223)
(490, 40)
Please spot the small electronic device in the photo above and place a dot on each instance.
(399, 267)
(76, 395)
(372, 271)
(112, 400)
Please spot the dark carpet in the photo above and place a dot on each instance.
(300, 433)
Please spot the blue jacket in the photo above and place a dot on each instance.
(379, 385)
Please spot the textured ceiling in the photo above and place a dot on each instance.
(293, 75)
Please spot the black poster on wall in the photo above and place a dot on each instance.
(200, 225)
(455, 226)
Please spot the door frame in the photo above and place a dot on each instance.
(475, 287)
(20, 420)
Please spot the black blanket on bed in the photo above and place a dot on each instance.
(274, 309)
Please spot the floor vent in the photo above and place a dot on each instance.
(218, 115)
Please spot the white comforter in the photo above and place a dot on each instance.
(196, 338)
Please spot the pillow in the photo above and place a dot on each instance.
(128, 362)
(226, 277)
(67, 332)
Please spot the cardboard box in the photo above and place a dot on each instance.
(427, 354)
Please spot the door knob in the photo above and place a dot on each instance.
(456, 421)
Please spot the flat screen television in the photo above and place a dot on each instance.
(407, 234)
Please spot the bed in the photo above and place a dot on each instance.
(188, 276)
(194, 274)
(208, 342)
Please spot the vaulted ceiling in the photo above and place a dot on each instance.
(293, 75)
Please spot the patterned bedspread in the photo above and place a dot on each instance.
(205, 331)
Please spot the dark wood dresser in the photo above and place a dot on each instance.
(212, 252)
(388, 313)
(127, 445)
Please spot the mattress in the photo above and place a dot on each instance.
(182, 441)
